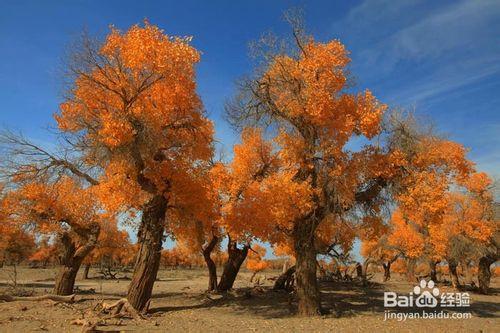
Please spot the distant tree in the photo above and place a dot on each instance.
(255, 261)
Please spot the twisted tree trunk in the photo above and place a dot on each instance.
(212, 268)
(150, 238)
(71, 258)
(232, 266)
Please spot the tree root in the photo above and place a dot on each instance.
(55, 298)
(102, 313)
(121, 308)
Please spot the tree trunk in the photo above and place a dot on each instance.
(410, 270)
(71, 258)
(86, 272)
(467, 272)
(484, 273)
(235, 258)
(65, 280)
(305, 274)
(285, 280)
(14, 275)
(452, 267)
(286, 266)
(387, 271)
(212, 268)
(150, 238)
(433, 273)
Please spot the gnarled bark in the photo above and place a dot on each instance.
(71, 258)
(232, 266)
(212, 268)
(150, 238)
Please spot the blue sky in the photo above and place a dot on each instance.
(440, 57)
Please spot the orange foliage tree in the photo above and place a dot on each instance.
(16, 244)
(426, 222)
(64, 209)
(112, 250)
(45, 253)
(303, 94)
(134, 113)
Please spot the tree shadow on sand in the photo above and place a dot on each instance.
(339, 299)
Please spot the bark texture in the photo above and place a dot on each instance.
(235, 258)
(71, 257)
(212, 268)
(150, 238)
(305, 270)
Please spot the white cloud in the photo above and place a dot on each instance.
(460, 26)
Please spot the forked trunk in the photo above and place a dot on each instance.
(484, 273)
(235, 258)
(305, 274)
(212, 268)
(71, 258)
(150, 238)
(387, 271)
(455, 281)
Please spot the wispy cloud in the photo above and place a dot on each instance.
(447, 78)
(450, 45)
(457, 26)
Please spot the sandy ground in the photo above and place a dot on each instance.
(180, 305)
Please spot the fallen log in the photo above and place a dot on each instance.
(56, 298)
